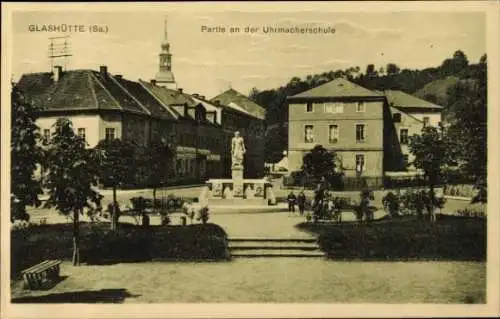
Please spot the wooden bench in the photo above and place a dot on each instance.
(34, 277)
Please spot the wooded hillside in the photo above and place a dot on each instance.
(432, 84)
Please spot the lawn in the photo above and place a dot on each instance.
(268, 280)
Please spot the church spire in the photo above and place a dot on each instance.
(165, 76)
(165, 36)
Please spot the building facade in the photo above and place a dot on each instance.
(102, 105)
(105, 106)
(368, 130)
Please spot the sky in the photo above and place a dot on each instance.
(209, 63)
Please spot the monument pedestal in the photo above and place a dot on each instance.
(238, 190)
(237, 176)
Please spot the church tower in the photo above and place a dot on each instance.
(165, 77)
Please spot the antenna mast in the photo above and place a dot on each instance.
(59, 49)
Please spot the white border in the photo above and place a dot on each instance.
(491, 9)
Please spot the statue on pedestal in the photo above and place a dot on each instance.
(237, 150)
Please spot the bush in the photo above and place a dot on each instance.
(450, 238)
(203, 214)
(391, 202)
(130, 243)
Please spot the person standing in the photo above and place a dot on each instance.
(291, 202)
(301, 201)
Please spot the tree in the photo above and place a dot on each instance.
(431, 97)
(117, 166)
(370, 70)
(431, 152)
(158, 161)
(275, 143)
(460, 61)
(319, 162)
(468, 129)
(392, 69)
(72, 171)
(25, 154)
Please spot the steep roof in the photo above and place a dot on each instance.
(238, 101)
(171, 98)
(404, 100)
(338, 87)
(147, 100)
(209, 106)
(79, 90)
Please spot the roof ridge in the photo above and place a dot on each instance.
(330, 88)
(158, 99)
(412, 96)
(106, 90)
(127, 92)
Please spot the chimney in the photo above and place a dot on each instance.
(119, 76)
(153, 81)
(57, 72)
(180, 90)
(196, 95)
(202, 97)
(217, 102)
(103, 70)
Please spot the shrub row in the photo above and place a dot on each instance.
(447, 239)
(130, 243)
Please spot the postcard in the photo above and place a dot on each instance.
(257, 159)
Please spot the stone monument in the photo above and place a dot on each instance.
(238, 190)
(237, 157)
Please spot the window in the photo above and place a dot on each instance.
(334, 107)
(110, 133)
(405, 160)
(426, 120)
(360, 162)
(46, 134)
(360, 107)
(309, 107)
(309, 134)
(360, 132)
(339, 108)
(403, 136)
(334, 133)
(81, 133)
(396, 117)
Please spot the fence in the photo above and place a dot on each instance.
(358, 183)
(337, 183)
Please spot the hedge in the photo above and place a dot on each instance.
(404, 238)
(130, 243)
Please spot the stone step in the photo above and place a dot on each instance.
(239, 202)
(273, 244)
(275, 253)
(270, 247)
(273, 239)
